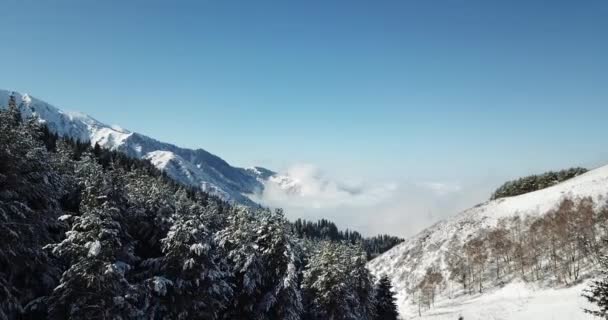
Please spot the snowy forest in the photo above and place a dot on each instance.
(535, 182)
(87, 233)
(327, 230)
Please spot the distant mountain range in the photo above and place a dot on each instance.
(198, 168)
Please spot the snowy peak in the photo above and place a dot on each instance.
(70, 124)
(197, 168)
(260, 173)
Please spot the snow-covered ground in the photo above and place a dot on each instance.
(515, 301)
(407, 263)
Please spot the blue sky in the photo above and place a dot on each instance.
(464, 91)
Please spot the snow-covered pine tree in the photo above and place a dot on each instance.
(29, 206)
(597, 293)
(337, 285)
(386, 309)
(14, 114)
(192, 282)
(265, 266)
(362, 283)
(153, 210)
(98, 251)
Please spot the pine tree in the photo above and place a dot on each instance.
(13, 111)
(192, 282)
(99, 252)
(597, 293)
(337, 285)
(265, 266)
(30, 190)
(386, 309)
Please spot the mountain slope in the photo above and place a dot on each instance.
(407, 263)
(197, 168)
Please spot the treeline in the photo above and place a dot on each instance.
(535, 182)
(90, 234)
(326, 230)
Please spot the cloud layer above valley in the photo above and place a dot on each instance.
(394, 207)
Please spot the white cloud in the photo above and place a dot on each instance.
(442, 188)
(306, 186)
(400, 208)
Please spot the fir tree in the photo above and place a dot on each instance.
(264, 261)
(192, 282)
(386, 309)
(597, 293)
(13, 111)
(30, 190)
(99, 252)
(337, 285)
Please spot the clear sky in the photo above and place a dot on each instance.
(458, 91)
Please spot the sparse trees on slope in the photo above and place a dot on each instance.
(500, 247)
(537, 245)
(427, 288)
(457, 264)
(476, 253)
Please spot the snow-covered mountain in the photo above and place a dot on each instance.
(407, 262)
(197, 168)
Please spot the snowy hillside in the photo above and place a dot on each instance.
(197, 168)
(407, 263)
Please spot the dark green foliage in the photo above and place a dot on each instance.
(193, 275)
(265, 265)
(326, 230)
(597, 293)
(386, 309)
(98, 251)
(376, 245)
(29, 206)
(535, 182)
(337, 285)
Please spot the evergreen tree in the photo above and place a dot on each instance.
(264, 261)
(30, 190)
(99, 253)
(337, 285)
(326, 230)
(192, 282)
(597, 293)
(535, 182)
(386, 309)
(14, 114)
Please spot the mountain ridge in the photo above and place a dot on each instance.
(192, 167)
